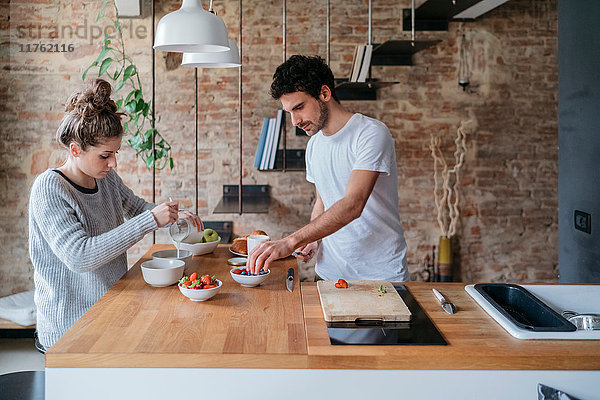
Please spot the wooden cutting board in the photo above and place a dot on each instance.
(362, 300)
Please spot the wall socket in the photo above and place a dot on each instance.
(583, 221)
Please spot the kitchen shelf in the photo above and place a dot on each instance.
(399, 52)
(294, 160)
(434, 15)
(359, 90)
(391, 52)
(255, 199)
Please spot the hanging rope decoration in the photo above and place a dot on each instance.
(447, 180)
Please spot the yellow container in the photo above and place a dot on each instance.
(444, 251)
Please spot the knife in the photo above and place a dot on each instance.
(446, 305)
(290, 280)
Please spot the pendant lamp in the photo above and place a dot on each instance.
(191, 29)
(223, 59)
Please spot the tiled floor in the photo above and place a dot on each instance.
(19, 355)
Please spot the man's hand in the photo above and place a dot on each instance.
(306, 253)
(265, 253)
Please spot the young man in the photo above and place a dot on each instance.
(350, 158)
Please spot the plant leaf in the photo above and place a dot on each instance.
(140, 105)
(130, 70)
(149, 161)
(87, 69)
(148, 133)
(102, 54)
(129, 96)
(104, 66)
(101, 13)
(119, 86)
(130, 107)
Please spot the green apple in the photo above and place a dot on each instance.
(210, 235)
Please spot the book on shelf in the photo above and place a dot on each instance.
(358, 56)
(279, 121)
(261, 142)
(353, 64)
(268, 143)
(366, 63)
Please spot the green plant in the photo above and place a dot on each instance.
(116, 65)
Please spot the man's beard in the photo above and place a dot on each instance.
(323, 118)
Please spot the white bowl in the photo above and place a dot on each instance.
(198, 249)
(162, 272)
(171, 254)
(200, 294)
(248, 280)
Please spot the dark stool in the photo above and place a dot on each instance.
(25, 385)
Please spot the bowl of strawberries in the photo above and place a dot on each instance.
(199, 288)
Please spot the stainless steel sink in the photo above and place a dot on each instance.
(583, 299)
(522, 308)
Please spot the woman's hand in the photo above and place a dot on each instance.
(193, 218)
(165, 213)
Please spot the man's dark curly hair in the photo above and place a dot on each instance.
(302, 74)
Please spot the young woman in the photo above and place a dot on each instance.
(78, 235)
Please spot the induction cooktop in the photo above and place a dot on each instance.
(419, 331)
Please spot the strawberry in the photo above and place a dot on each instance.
(193, 277)
(207, 280)
(341, 284)
(184, 279)
(210, 286)
(237, 271)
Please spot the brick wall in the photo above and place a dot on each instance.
(508, 229)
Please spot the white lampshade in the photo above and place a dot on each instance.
(191, 29)
(223, 59)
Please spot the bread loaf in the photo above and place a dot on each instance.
(240, 245)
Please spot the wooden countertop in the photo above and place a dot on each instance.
(136, 325)
(475, 340)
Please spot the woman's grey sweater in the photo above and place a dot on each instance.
(77, 244)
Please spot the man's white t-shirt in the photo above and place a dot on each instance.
(372, 246)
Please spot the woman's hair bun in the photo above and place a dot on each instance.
(91, 116)
(91, 101)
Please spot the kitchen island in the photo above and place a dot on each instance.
(264, 342)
